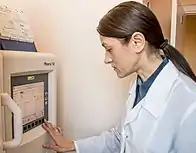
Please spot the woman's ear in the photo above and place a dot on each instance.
(137, 42)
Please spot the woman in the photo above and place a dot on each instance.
(161, 109)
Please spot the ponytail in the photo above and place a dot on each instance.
(177, 59)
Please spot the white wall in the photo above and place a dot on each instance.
(90, 96)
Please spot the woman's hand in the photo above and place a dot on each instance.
(59, 144)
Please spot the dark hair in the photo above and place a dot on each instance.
(129, 17)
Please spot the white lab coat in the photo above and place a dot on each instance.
(163, 122)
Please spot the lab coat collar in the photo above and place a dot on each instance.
(160, 90)
(155, 99)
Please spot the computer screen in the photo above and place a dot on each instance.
(30, 92)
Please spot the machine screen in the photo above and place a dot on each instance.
(30, 99)
(31, 95)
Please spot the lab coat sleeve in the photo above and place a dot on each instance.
(186, 136)
(107, 142)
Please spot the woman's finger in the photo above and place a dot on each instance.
(51, 146)
(50, 125)
(60, 130)
(54, 128)
(49, 129)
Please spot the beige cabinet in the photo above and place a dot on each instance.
(188, 2)
(163, 10)
(189, 47)
(178, 24)
(178, 21)
(183, 31)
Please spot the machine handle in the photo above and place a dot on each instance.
(8, 101)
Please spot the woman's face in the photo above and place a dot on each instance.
(123, 58)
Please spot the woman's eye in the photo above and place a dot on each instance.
(109, 50)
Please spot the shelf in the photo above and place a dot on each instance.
(189, 9)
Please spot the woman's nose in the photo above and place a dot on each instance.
(107, 59)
